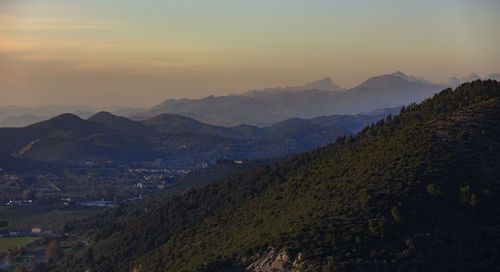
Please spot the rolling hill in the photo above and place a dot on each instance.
(176, 140)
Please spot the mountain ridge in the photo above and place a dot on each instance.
(174, 139)
(412, 191)
(252, 102)
(268, 106)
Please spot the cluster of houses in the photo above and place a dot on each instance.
(34, 232)
(10, 179)
(19, 202)
(40, 232)
(163, 174)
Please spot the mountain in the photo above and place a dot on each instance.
(177, 124)
(417, 191)
(385, 91)
(17, 116)
(288, 124)
(120, 124)
(262, 107)
(354, 123)
(176, 140)
(134, 209)
(322, 84)
(71, 124)
(410, 78)
(325, 84)
(493, 76)
(268, 106)
(12, 139)
(455, 81)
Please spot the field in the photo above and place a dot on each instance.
(27, 218)
(12, 242)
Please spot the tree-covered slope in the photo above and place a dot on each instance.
(174, 139)
(418, 191)
(128, 212)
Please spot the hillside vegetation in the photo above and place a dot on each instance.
(414, 192)
(174, 140)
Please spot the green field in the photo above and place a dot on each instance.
(12, 242)
(27, 218)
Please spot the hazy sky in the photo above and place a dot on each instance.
(138, 53)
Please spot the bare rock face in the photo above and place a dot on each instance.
(271, 260)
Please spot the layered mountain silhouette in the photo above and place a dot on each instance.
(175, 139)
(267, 106)
(325, 84)
(17, 116)
(318, 98)
(413, 192)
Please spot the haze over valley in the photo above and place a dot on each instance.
(266, 106)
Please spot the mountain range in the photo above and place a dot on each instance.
(267, 106)
(417, 191)
(176, 140)
(17, 116)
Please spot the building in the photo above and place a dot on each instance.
(36, 230)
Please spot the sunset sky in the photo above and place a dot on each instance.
(138, 53)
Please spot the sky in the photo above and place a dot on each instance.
(137, 53)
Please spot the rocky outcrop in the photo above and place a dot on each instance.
(270, 260)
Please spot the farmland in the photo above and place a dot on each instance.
(25, 218)
(13, 242)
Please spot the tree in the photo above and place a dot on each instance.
(376, 227)
(53, 252)
(396, 214)
(28, 194)
(465, 193)
(433, 190)
(21, 269)
(39, 195)
(474, 200)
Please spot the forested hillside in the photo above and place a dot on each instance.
(127, 212)
(414, 192)
(174, 140)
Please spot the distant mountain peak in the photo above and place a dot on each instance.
(475, 75)
(102, 115)
(324, 84)
(119, 124)
(410, 78)
(455, 81)
(495, 76)
(399, 74)
(324, 81)
(66, 117)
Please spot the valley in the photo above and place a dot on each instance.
(249, 136)
(420, 179)
(93, 183)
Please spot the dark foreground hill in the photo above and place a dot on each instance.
(415, 192)
(172, 139)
